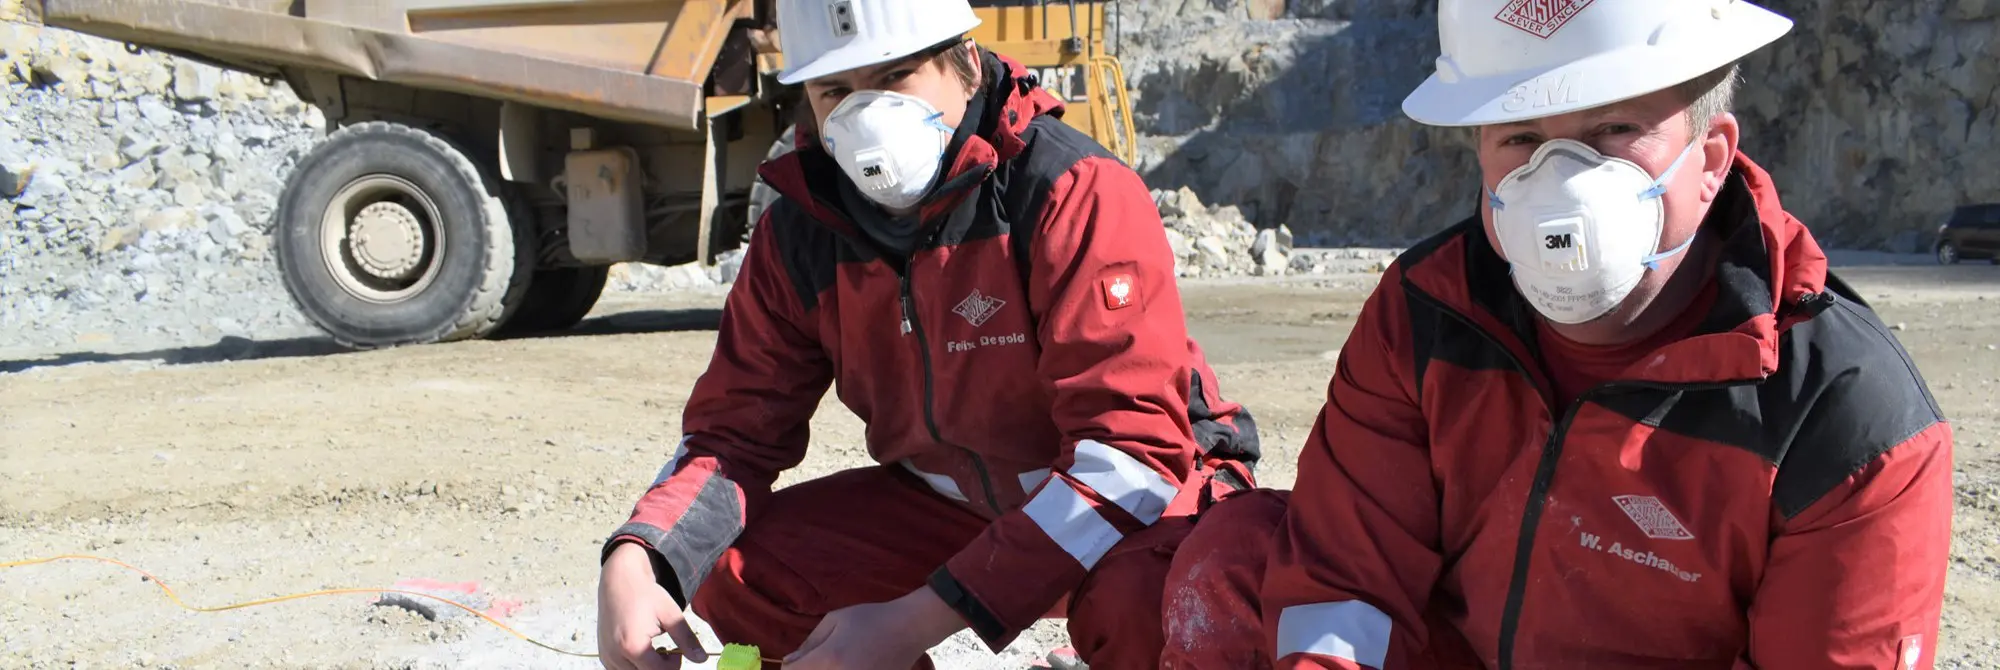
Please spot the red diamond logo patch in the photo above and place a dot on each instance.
(1540, 18)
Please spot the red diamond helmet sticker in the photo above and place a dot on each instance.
(1541, 18)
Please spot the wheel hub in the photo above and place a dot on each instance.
(382, 239)
(386, 240)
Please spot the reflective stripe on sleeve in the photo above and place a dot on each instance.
(1067, 517)
(1123, 480)
(1349, 630)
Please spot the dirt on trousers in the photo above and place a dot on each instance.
(245, 470)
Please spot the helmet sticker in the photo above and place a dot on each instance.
(1540, 18)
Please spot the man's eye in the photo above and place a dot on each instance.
(833, 94)
(1519, 140)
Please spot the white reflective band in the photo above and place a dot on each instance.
(667, 470)
(1067, 517)
(1350, 630)
(1032, 479)
(943, 485)
(1123, 480)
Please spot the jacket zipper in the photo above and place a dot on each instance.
(1545, 469)
(911, 325)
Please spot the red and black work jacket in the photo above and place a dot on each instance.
(1774, 491)
(1028, 359)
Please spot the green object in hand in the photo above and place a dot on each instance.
(740, 657)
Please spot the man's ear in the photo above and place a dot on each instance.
(978, 68)
(1718, 154)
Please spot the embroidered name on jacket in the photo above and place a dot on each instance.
(955, 346)
(1645, 558)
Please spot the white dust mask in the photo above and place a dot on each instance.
(1579, 229)
(890, 144)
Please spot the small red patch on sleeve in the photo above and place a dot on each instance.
(1120, 291)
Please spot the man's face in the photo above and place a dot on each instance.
(1650, 131)
(929, 78)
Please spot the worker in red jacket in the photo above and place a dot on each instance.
(1624, 418)
(994, 295)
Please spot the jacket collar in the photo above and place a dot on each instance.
(1771, 275)
(810, 177)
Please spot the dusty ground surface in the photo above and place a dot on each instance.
(245, 470)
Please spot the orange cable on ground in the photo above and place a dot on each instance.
(324, 592)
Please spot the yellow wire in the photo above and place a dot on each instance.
(324, 592)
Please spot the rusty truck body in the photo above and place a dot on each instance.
(488, 161)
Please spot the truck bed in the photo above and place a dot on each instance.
(267, 34)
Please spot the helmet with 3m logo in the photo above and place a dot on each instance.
(1514, 60)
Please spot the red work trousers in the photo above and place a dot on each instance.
(875, 534)
(1213, 618)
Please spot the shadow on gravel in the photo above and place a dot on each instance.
(234, 348)
(638, 322)
(230, 348)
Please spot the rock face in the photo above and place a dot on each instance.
(1876, 116)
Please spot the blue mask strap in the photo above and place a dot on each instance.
(1653, 262)
(934, 122)
(1659, 187)
(1493, 199)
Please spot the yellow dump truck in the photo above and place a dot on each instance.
(489, 160)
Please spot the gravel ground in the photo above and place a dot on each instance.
(247, 469)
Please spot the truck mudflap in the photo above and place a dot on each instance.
(237, 34)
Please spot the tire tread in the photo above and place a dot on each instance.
(486, 308)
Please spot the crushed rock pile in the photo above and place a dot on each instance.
(138, 192)
(1217, 241)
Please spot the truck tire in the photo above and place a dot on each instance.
(390, 235)
(557, 299)
(761, 194)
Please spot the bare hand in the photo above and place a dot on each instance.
(632, 609)
(878, 635)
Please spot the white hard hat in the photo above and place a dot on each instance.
(821, 37)
(1514, 60)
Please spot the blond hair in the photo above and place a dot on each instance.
(1709, 96)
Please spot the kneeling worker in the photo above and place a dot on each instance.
(994, 295)
(1625, 418)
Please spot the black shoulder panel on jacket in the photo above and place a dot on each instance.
(1429, 245)
(1024, 183)
(806, 249)
(1860, 393)
(1845, 392)
(1437, 336)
